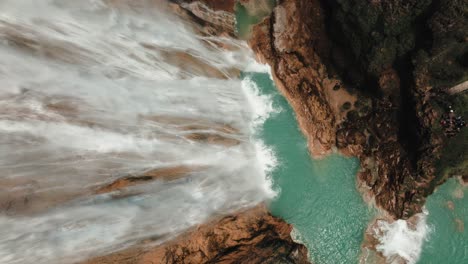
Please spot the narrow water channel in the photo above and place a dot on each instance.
(318, 197)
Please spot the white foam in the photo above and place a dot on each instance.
(400, 240)
(254, 66)
(65, 135)
(268, 162)
(261, 105)
(261, 109)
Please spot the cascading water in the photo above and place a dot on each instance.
(401, 241)
(119, 123)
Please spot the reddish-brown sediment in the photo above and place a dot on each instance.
(251, 236)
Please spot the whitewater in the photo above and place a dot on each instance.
(95, 91)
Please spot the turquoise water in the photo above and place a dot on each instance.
(448, 241)
(317, 196)
(244, 20)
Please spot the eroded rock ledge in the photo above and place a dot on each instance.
(288, 41)
(251, 236)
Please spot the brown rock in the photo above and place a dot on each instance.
(389, 82)
(216, 5)
(252, 236)
(212, 17)
(289, 40)
(166, 174)
(212, 139)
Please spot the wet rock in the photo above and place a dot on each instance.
(212, 139)
(252, 236)
(212, 17)
(166, 174)
(218, 18)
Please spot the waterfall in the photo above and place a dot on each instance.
(120, 123)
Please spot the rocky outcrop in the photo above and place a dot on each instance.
(288, 41)
(252, 236)
(392, 56)
(295, 44)
(214, 17)
(413, 55)
(214, 5)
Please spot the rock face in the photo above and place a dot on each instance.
(415, 53)
(288, 41)
(252, 236)
(215, 5)
(216, 17)
(399, 58)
